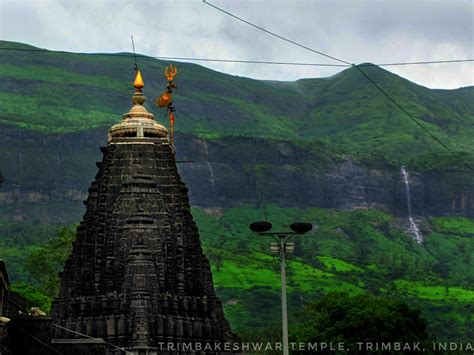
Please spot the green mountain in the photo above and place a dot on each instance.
(327, 151)
(52, 92)
(334, 142)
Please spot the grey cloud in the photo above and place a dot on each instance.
(357, 31)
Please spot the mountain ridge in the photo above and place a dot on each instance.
(324, 151)
(50, 93)
(308, 135)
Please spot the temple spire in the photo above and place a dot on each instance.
(137, 276)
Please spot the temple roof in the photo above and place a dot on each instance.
(138, 122)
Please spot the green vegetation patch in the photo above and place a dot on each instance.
(55, 92)
(40, 113)
(56, 75)
(337, 264)
(245, 272)
(436, 292)
(454, 225)
(33, 296)
(356, 252)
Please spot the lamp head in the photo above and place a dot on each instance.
(260, 226)
(301, 227)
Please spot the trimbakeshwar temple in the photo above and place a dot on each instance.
(137, 277)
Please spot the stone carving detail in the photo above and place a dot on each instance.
(137, 275)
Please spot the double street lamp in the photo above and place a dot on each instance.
(282, 247)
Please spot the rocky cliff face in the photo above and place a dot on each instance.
(47, 177)
(239, 170)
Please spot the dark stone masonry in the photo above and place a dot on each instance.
(137, 276)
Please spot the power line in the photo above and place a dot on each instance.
(307, 64)
(276, 35)
(324, 54)
(125, 55)
(315, 64)
(180, 58)
(419, 63)
(418, 123)
(436, 139)
(303, 64)
(88, 336)
(255, 62)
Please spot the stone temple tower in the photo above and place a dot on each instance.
(137, 277)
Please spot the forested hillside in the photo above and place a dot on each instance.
(327, 151)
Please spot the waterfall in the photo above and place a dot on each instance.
(20, 158)
(211, 170)
(58, 161)
(413, 228)
(209, 165)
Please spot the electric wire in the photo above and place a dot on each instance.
(255, 62)
(315, 64)
(417, 122)
(88, 336)
(242, 61)
(276, 35)
(432, 135)
(303, 64)
(418, 63)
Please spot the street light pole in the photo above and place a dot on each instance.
(282, 247)
(284, 304)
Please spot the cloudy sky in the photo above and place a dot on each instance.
(357, 31)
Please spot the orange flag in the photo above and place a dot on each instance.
(164, 100)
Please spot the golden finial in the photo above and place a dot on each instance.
(138, 83)
(171, 72)
(138, 98)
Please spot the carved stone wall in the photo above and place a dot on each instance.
(137, 276)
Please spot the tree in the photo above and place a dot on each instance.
(45, 263)
(216, 258)
(339, 317)
(33, 296)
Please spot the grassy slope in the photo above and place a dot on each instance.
(60, 92)
(358, 251)
(354, 115)
(351, 251)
